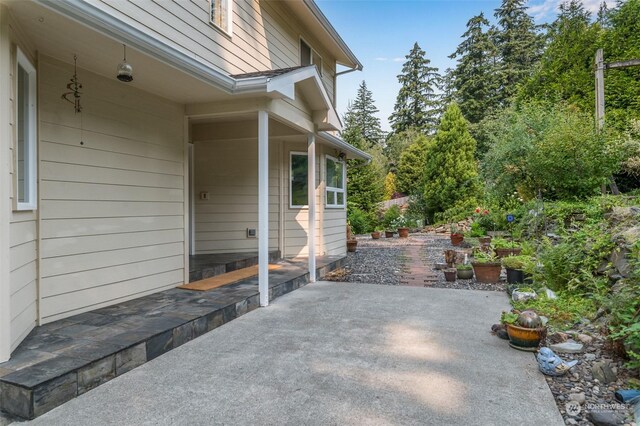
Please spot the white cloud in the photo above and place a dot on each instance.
(548, 8)
(381, 59)
(398, 59)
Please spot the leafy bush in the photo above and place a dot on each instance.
(517, 262)
(534, 147)
(503, 243)
(563, 312)
(360, 222)
(390, 216)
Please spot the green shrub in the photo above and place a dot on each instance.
(564, 311)
(360, 222)
(391, 215)
(517, 262)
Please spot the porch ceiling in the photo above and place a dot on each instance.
(54, 35)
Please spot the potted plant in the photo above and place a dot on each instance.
(504, 248)
(515, 266)
(402, 224)
(352, 243)
(486, 267)
(465, 271)
(457, 237)
(376, 233)
(525, 329)
(389, 233)
(450, 274)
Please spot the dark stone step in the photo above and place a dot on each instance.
(142, 330)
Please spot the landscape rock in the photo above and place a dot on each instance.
(584, 338)
(603, 418)
(580, 398)
(603, 372)
(590, 357)
(558, 337)
(568, 347)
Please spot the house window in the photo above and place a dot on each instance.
(220, 14)
(298, 188)
(335, 170)
(25, 148)
(308, 56)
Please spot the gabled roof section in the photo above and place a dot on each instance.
(282, 83)
(317, 23)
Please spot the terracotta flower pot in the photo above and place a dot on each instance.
(403, 232)
(389, 234)
(351, 245)
(484, 240)
(505, 252)
(375, 235)
(457, 239)
(487, 272)
(450, 275)
(525, 339)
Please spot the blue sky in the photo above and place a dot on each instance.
(381, 33)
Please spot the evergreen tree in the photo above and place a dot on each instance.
(410, 175)
(389, 186)
(417, 102)
(518, 45)
(364, 181)
(474, 75)
(451, 175)
(566, 68)
(622, 86)
(397, 143)
(362, 114)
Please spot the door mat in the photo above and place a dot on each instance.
(225, 279)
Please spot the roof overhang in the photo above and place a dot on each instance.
(318, 24)
(351, 152)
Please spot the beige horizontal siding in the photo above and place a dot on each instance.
(228, 171)
(112, 194)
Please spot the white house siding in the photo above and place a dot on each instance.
(228, 171)
(22, 239)
(111, 187)
(264, 34)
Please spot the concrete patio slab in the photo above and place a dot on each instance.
(334, 353)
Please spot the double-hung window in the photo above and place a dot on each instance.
(336, 177)
(299, 184)
(25, 147)
(220, 14)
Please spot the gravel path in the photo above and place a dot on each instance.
(383, 261)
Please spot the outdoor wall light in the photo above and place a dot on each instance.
(342, 156)
(125, 71)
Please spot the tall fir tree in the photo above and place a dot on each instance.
(565, 71)
(362, 114)
(411, 168)
(418, 101)
(474, 75)
(519, 47)
(451, 173)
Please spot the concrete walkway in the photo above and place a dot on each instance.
(334, 353)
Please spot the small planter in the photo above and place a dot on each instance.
(450, 275)
(515, 276)
(525, 339)
(450, 257)
(504, 252)
(352, 245)
(375, 235)
(484, 240)
(457, 239)
(389, 234)
(465, 274)
(487, 272)
(403, 232)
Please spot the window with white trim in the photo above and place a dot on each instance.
(298, 180)
(308, 56)
(220, 14)
(25, 147)
(335, 180)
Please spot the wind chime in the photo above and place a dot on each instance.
(74, 86)
(73, 96)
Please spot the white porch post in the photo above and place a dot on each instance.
(5, 187)
(311, 185)
(263, 207)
